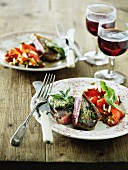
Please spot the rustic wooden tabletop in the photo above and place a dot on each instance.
(16, 88)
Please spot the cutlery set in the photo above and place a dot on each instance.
(70, 51)
(43, 108)
(73, 50)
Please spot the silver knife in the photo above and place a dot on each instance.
(70, 57)
(44, 110)
(72, 44)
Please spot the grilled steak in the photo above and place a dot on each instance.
(62, 107)
(62, 116)
(50, 51)
(85, 114)
(39, 42)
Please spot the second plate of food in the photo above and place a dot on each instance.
(13, 40)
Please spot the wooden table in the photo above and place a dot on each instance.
(16, 91)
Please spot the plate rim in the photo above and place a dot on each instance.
(31, 69)
(90, 137)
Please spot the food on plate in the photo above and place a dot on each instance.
(62, 107)
(25, 55)
(107, 102)
(50, 50)
(85, 114)
(36, 53)
(85, 110)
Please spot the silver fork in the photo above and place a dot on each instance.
(41, 99)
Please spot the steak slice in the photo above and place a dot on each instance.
(62, 106)
(48, 53)
(62, 116)
(85, 114)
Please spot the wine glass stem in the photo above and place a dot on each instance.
(111, 69)
(97, 49)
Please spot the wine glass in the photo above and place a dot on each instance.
(112, 42)
(94, 14)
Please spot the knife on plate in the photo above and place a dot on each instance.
(44, 110)
(70, 55)
(73, 45)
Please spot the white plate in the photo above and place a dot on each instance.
(14, 39)
(101, 131)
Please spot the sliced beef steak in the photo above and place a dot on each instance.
(62, 106)
(62, 116)
(85, 114)
(48, 53)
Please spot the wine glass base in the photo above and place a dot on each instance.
(117, 77)
(96, 59)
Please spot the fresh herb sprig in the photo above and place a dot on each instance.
(62, 95)
(110, 96)
(63, 100)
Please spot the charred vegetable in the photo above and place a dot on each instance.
(107, 102)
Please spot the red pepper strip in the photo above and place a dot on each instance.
(104, 113)
(94, 92)
(14, 51)
(26, 47)
(94, 99)
(101, 102)
(116, 116)
(34, 56)
(10, 58)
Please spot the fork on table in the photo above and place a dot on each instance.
(42, 105)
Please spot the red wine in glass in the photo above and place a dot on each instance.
(92, 22)
(112, 47)
(112, 42)
(95, 13)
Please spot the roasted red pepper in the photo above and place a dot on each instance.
(26, 55)
(94, 92)
(101, 102)
(25, 47)
(111, 115)
(116, 116)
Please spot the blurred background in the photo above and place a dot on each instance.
(37, 14)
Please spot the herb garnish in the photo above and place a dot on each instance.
(63, 100)
(110, 96)
(55, 47)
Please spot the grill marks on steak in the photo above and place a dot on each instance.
(62, 116)
(98, 114)
(85, 114)
(62, 106)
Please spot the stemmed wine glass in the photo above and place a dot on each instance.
(94, 14)
(112, 42)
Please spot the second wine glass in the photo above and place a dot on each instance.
(112, 42)
(96, 13)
